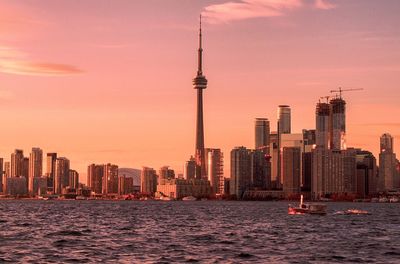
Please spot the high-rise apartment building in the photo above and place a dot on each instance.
(240, 171)
(262, 131)
(215, 170)
(35, 167)
(61, 176)
(148, 181)
(2, 178)
(291, 170)
(17, 163)
(189, 171)
(166, 173)
(367, 174)
(284, 119)
(95, 178)
(51, 169)
(110, 179)
(73, 179)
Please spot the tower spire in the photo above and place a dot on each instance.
(200, 53)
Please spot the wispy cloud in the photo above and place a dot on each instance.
(13, 61)
(246, 9)
(321, 4)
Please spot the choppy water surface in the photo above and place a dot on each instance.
(202, 231)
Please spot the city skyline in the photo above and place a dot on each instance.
(140, 125)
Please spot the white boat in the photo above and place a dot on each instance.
(189, 198)
(383, 200)
(166, 198)
(305, 208)
(394, 199)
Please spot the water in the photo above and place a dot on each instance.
(198, 231)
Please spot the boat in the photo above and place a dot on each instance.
(189, 198)
(394, 199)
(356, 211)
(307, 208)
(383, 200)
(166, 198)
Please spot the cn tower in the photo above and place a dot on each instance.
(200, 83)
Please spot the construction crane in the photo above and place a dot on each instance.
(340, 90)
(324, 97)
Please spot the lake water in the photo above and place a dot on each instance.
(197, 231)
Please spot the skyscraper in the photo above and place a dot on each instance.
(284, 127)
(284, 119)
(35, 167)
(322, 118)
(291, 170)
(386, 143)
(200, 83)
(215, 170)
(387, 164)
(189, 170)
(17, 163)
(110, 179)
(148, 181)
(51, 169)
(241, 168)
(61, 176)
(338, 123)
(262, 131)
(73, 179)
(95, 178)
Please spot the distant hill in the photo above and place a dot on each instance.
(130, 172)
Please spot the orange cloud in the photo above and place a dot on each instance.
(246, 9)
(321, 4)
(14, 61)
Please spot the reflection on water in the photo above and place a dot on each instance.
(198, 231)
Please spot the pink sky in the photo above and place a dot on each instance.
(110, 81)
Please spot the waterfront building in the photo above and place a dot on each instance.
(260, 170)
(73, 179)
(51, 169)
(291, 170)
(166, 173)
(333, 172)
(227, 183)
(125, 185)
(61, 176)
(39, 186)
(110, 179)
(241, 168)
(215, 170)
(179, 188)
(6, 174)
(2, 177)
(189, 171)
(95, 178)
(367, 174)
(17, 163)
(262, 131)
(16, 186)
(388, 176)
(148, 181)
(35, 167)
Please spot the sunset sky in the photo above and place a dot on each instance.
(110, 81)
